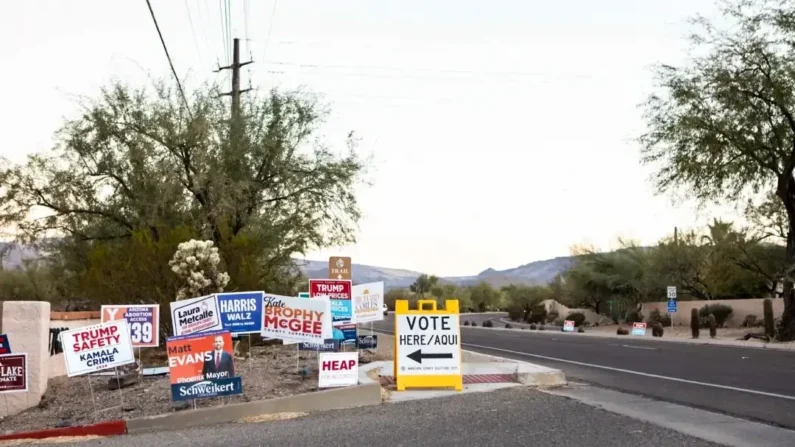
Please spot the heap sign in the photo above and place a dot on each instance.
(339, 267)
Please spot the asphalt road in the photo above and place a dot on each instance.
(751, 383)
(504, 418)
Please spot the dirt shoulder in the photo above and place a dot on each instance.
(272, 371)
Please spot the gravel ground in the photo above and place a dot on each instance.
(504, 418)
(272, 371)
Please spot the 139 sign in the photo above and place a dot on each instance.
(142, 320)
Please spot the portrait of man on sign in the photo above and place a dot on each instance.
(218, 364)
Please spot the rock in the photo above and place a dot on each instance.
(181, 405)
(114, 383)
(63, 423)
(128, 408)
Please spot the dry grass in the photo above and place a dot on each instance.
(271, 417)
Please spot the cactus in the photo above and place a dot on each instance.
(694, 323)
(770, 328)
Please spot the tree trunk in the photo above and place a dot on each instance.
(787, 328)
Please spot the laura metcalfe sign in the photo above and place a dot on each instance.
(97, 347)
(339, 267)
(196, 315)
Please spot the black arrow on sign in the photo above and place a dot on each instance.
(417, 356)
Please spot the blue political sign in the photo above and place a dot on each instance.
(5, 346)
(329, 345)
(346, 334)
(671, 306)
(241, 312)
(367, 341)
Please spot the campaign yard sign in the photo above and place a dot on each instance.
(367, 341)
(298, 319)
(337, 369)
(202, 365)
(13, 373)
(241, 312)
(340, 294)
(330, 345)
(368, 302)
(345, 334)
(142, 319)
(195, 315)
(5, 346)
(93, 348)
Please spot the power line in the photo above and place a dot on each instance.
(192, 30)
(165, 48)
(270, 28)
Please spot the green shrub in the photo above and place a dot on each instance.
(508, 326)
(533, 326)
(658, 317)
(577, 317)
(634, 316)
(558, 322)
(722, 312)
(622, 331)
(581, 329)
(767, 307)
(488, 323)
(552, 316)
(541, 327)
(538, 314)
(657, 330)
(466, 323)
(752, 321)
(713, 325)
(694, 322)
(516, 313)
(474, 323)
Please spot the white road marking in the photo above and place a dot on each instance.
(638, 373)
(638, 347)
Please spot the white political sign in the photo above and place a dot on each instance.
(97, 347)
(428, 345)
(368, 302)
(196, 315)
(337, 369)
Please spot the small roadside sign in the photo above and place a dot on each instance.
(568, 326)
(639, 329)
(671, 292)
(428, 346)
(339, 267)
(671, 306)
(338, 369)
(14, 373)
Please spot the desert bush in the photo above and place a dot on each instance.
(656, 316)
(541, 327)
(752, 321)
(767, 308)
(466, 323)
(581, 329)
(577, 317)
(516, 313)
(657, 330)
(488, 323)
(552, 316)
(538, 314)
(558, 322)
(474, 323)
(694, 323)
(508, 326)
(533, 326)
(722, 312)
(622, 331)
(634, 316)
(713, 325)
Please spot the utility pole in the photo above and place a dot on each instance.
(235, 93)
(676, 236)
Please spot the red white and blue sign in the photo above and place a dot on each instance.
(340, 294)
(241, 312)
(5, 346)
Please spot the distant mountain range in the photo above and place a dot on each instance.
(538, 272)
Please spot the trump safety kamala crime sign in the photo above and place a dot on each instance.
(202, 365)
(195, 315)
(97, 347)
(142, 319)
(296, 318)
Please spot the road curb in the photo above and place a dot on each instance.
(109, 428)
(333, 399)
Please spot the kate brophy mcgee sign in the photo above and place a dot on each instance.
(13, 373)
(97, 347)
